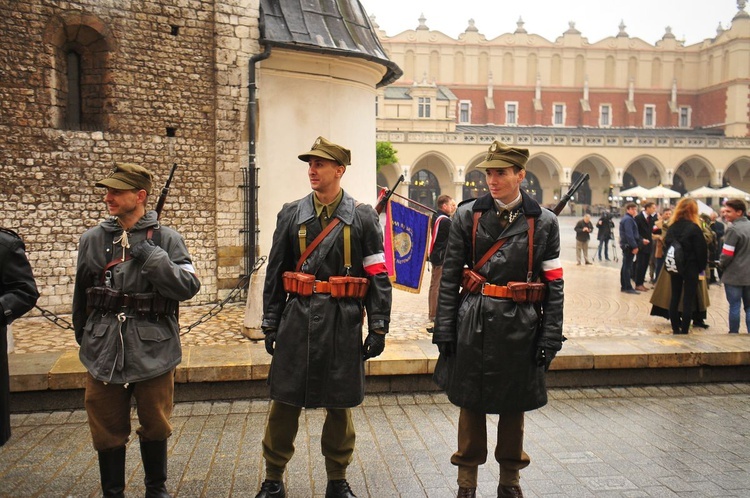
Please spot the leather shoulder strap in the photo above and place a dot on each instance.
(316, 242)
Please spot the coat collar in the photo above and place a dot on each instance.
(486, 205)
(344, 211)
(530, 206)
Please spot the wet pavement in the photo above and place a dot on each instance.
(649, 441)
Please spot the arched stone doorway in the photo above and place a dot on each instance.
(583, 194)
(424, 188)
(475, 185)
(532, 187)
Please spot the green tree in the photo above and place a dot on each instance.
(385, 154)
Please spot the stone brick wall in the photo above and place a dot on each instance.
(168, 83)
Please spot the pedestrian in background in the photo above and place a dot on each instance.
(583, 234)
(645, 222)
(326, 267)
(629, 244)
(132, 273)
(735, 263)
(511, 306)
(717, 227)
(657, 238)
(18, 294)
(685, 227)
(441, 227)
(604, 233)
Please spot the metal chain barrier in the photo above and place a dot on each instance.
(66, 325)
(219, 306)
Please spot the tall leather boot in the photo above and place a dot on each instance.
(112, 472)
(154, 456)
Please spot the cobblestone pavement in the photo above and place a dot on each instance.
(681, 441)
(594, 306)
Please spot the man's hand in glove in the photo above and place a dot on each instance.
(374, 344)
(544, 357)
(270, 340)
(446, 348)
(142, 250)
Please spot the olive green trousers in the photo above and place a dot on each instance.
(336, 441)
(472, 447)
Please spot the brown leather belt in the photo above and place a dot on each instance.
(322, 287)
(499, 291)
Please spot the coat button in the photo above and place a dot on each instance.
(316, 318)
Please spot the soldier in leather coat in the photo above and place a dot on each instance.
(496, 344)
(313, 304)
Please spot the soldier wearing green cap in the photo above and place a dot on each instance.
(326, 267)
(498, 335)
(132, 272)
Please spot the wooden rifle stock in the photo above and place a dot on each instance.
(573, 189)
(164, 192)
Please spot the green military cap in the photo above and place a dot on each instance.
(504, 156)
(328, 150)
(127, 176)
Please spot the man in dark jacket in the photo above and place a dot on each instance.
(441, 227)
(629, 242)
(604, 227)
(645, 222)
(325, 267)
(18, 294)
(497, 337)
(132, 273)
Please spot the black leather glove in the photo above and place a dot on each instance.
(374, 345)
(270, 340)
(544, 357)
(446, 348)
(142, 250)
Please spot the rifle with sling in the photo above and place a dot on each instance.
(571, 192)
(164, 192)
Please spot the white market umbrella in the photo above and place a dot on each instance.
(704, 192)
(662, 192)
(636, 191)
(730, 191)
(704, 208)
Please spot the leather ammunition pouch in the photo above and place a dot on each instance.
(355, 287)
(304, 284)
(472, 281)
(527, 292)
(104, 299)
(296, 282)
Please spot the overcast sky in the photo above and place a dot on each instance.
(691, 20)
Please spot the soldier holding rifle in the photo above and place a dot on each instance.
(498, 335)
(132, 272)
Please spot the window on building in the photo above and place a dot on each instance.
(73, 73)
(79, 74)
(376, 106)
(424, 107)
(605, 115)
(558, 115)
(649, 116)
(464, 111)
(685, 114)
(511, 113)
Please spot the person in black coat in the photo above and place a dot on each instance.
(18, 294)
(645, 222)
(604, 227)
(684, 226)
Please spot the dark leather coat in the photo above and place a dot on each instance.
(18, 294)
(495, 369)
(317, 360)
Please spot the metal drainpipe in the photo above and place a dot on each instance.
(250, 176)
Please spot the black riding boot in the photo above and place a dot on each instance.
(112, 472)
(154, 456)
